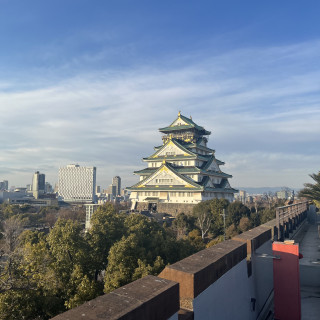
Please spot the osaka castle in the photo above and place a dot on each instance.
(182, 172)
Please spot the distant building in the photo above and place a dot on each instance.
(116, 181)
(182, 172)
(38, 184)
(4, 185)
(249, 199)
(283, 194)
(242, 196)
(14, 197)
(77, 184)
(112, 191)
(90, 209)
(48, 188)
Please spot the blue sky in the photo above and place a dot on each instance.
(90, 82)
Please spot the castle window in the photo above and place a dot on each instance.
(164, 181)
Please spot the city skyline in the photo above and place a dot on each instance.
(90, 86)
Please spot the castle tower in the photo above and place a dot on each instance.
(181, 172)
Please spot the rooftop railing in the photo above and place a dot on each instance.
(289, 216)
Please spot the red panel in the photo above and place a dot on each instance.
(286, 282)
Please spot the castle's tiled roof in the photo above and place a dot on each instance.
(190, 125)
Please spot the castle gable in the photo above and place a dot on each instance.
(172, 149)
(165, 176)
(179, 122)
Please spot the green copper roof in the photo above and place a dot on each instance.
(140, 185)
(178, 145)
(210, 160)
(185, 170)
(189, 125)
(199, 146)
(182, 170)
(152, 199)
(178, 157)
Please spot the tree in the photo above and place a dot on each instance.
(12, 228)
(215, 241)
(145, 248)
(255, 219)
(196, 240)
(107, 227)
(73, 213)
(183, 224)
(68, 248)
(217, 225)
(244, 224)
(267, 215)
(51, 274)
(236, 211)
(204, 217)
(312, 191)
(231, 231)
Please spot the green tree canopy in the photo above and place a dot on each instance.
(312, 191)
(107, 227)
(236, 211)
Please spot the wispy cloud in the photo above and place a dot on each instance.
(262, 105)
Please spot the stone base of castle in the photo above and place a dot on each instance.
(171, 208)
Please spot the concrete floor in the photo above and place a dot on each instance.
(309, 265)
(310, 303)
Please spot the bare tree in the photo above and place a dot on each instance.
(12, 229)
(9, 256)
(204, 220)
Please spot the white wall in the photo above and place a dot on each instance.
(227, 298)
(262, 270)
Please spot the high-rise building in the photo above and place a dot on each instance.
(182, 172)
(4, 185)
(77, 184)
(242, 196)
(112, 191)
(48, 188)
(38, 184)
(116, 181)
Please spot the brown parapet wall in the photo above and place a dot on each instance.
(254, 238)
(197, 272)
(272, 224)
(149, 298)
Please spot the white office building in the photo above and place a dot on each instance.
(77, 184)
(90, 209)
